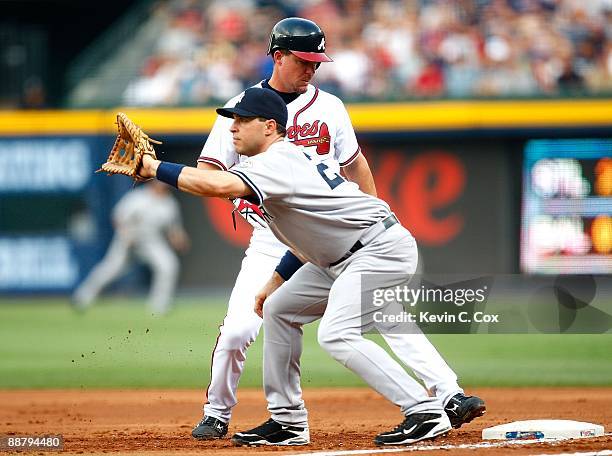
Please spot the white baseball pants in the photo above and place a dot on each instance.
(238, 331)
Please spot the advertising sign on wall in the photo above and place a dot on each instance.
(53, 211)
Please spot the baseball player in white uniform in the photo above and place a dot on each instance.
(319, 122)
(147, 224)
(341, 233)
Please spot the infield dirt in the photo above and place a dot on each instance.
(156, 422)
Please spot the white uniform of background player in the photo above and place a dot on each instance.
(319, 122)
(147, 221)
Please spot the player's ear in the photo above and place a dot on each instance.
(270, 126)
(278, 56)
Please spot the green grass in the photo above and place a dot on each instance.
(44, 344)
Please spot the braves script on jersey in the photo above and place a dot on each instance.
(317, 120)
(311, 208)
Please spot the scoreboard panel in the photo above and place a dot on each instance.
(566, 222)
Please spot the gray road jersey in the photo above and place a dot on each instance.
(306, 202)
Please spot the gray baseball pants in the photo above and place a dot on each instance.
(334, 293)
(156, 253)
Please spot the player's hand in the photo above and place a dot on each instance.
(149, 166)
(270, 287)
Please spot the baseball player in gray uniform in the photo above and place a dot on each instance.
(148, 226)
(342, 233)
(319, 122)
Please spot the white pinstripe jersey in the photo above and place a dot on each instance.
(307, 204)
(317, 120)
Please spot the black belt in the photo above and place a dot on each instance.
(385, 224)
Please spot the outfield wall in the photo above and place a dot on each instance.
(450, 170)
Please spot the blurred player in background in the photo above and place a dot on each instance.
(318, 121)
(147, 223)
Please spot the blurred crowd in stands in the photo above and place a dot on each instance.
(210, 50)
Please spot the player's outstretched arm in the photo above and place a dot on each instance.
(200, 182)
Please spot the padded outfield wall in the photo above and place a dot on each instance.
(452, 171)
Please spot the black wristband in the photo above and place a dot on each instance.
(169, 173)
(288, 265)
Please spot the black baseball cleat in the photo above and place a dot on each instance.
(273, 433)
(462, 409)
(416, 427)
(209, 429)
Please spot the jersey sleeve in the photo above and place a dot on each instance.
(219, 148)
(269, 175)
(346, 147)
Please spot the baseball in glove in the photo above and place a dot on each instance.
(130, 146)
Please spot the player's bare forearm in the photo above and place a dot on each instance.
(208, 166)
(201, 182)
(359, 172)
(212, 183)
(270, 287)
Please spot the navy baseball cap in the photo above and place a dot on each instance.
(259, 102)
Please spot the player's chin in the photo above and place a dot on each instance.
(239, 147)
(302, 87)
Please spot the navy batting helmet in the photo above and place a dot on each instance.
(302, 37)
